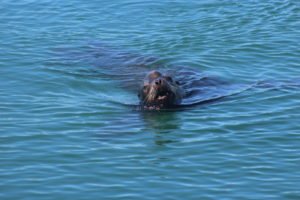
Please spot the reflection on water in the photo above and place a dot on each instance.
(162, 124)
(158, 125)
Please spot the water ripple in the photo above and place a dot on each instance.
(66, 134)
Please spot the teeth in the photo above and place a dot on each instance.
(161, 97)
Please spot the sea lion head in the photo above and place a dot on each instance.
(159, 91)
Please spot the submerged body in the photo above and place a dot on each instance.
(159, 91)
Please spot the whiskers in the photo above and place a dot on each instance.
(150, 96)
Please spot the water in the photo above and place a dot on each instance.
(65, 133)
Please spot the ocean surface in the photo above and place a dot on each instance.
(69, 73)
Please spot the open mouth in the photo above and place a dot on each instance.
(159, 102)
(162, 95)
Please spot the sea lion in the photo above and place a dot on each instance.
(159, 91)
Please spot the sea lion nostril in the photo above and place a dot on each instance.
(158, 82)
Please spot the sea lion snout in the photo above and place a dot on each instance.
(160, 84)
(158, 81)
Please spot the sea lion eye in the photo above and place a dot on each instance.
(169, 78)
(146, 85)
(145, 88)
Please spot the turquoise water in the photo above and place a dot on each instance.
(65, 133)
